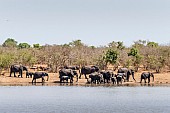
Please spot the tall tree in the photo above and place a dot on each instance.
(111, 56)
(10, 43)
(134, 52)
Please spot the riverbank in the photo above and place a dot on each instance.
(160, 78)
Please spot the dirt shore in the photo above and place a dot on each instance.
(160, 78)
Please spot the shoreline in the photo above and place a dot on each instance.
(160, 79)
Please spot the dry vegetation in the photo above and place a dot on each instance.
(141, 56)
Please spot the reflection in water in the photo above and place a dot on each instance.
(89, 98)
(82, 84)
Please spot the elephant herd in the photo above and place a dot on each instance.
(21, 68)
(95, 74)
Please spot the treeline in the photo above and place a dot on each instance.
(149, 55)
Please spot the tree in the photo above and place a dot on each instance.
(152, 44)
(24, 45)
(134, 52)
(76, 43)
(139, 43)
(36, 46)
(10, 43)
(110, 56)
(118, 45)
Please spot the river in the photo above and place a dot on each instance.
(84, 99)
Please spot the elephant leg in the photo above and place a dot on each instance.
(133, 77)
(117, 80)
(43, 79)
(10, 74)
(141, 80)
(85, 76)
(80, 76)
(148, 80)
(120, 80)
(77, 78)
(145, 80)
(60, 79)
(33, 80)
(128, 78)
(14, 74)
(71, 80)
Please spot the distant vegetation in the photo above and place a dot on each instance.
(149, 55)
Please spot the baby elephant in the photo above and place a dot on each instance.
(29, 74)
(146, 75)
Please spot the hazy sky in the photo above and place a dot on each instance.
(95, 22)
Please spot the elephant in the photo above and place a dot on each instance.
(146, 75)
(88, 70)
(107, 75)
(72, 67)
(38, 75)
(29, 74)
(65, 74)
(127, 72)
(95, 77)
(120, 77)
(17, 68)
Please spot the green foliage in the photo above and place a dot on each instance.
(23, 45)
(10, 43)
(76, 43)
(36, 46)
(133, 52)
(26, 57)
(120, 45)
(152, 44)
(111, 56)
(137, 58)
(6, 60)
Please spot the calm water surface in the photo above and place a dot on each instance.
(84, 99)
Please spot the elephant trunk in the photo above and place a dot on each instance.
(153, 78)
(47, 77)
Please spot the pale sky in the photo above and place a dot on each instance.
(95, 22)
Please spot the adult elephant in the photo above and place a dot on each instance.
(72, 67)
(65, 74)
(88, 70)
(127, 72)
(17, 68)
(38, 75)
(145, 76)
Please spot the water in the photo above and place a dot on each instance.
(84, 99)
